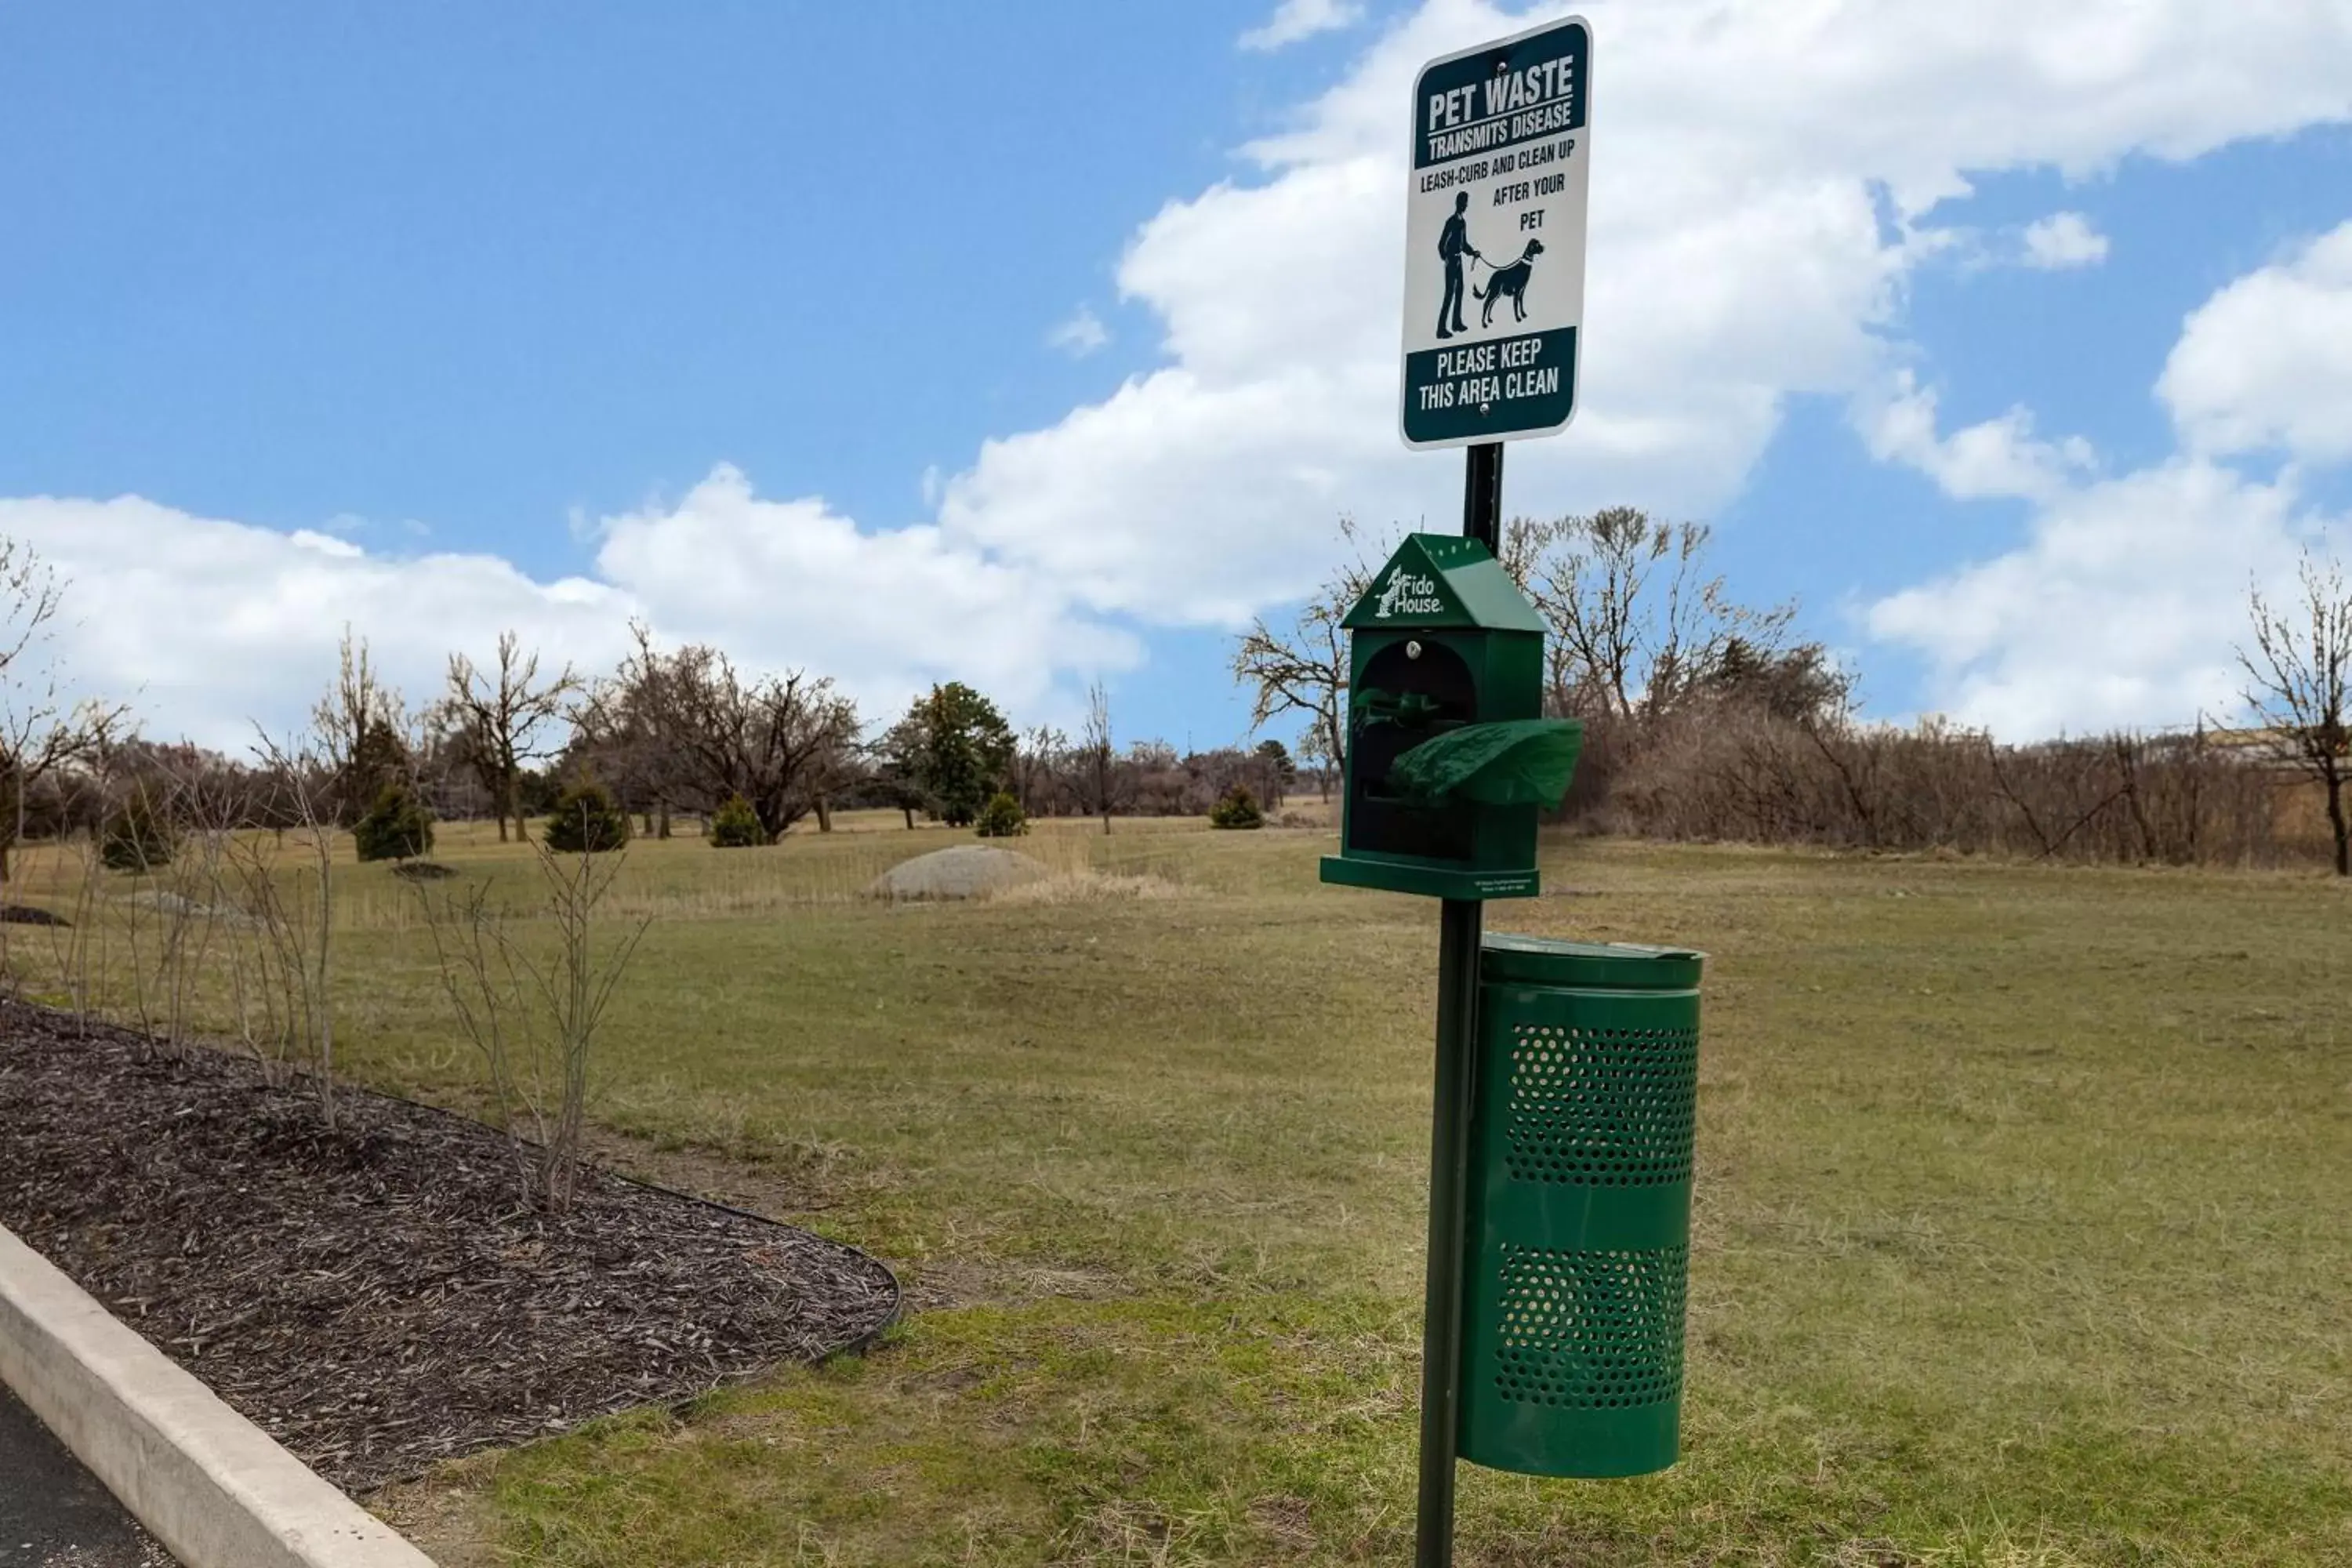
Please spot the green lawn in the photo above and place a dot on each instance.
(2021, 1231)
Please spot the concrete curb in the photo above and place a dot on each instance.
(215, 1489)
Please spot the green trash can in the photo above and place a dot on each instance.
(1577, 1232)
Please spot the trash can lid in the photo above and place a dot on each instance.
(1603, 965)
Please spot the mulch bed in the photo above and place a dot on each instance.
(374, 1296)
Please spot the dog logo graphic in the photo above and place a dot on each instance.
(1408, 593)
(1398, 586)
(1510, 280)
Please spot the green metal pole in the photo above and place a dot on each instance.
(1482, 496)
(1461, 925)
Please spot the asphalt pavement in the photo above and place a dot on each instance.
(54, 1513)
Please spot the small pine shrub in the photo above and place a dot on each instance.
(396, 827)
(135, 839)
(1002, 817)
(735, 826)
(1238, 808)
(587, 820)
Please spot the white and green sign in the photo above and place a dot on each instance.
(1494, 276)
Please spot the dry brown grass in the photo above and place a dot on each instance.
(2019, 1239)
(1086, 887)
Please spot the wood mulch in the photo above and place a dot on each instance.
(373, 1295)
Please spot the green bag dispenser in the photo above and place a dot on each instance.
(1449, 757)
(1577, 1239)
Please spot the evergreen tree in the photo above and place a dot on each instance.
(396, 827)
(1237, 809)
(1275, 768)
(735, 826)
(1003, 817)
(379, 759)
(962, 747)
(586, 818)
(136, 837)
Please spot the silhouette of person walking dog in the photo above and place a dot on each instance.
(1452, 244)
(1511, 281)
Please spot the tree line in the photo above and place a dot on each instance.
(669, 733)
(1706, 718)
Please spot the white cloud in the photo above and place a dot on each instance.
(207, 626)
(2063, 240)
(1750, 160)
(326, 544)
(1296, 20)
(793, 583)
(1081, 334)
(2126, 602)
(2266, 363)
(2122, 609)
(1999, 456)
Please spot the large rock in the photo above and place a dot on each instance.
(967, 872)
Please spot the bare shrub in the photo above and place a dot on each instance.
(266, 991)
(534, 1018)
(1732, 772)
(298, 926)
(193, 898)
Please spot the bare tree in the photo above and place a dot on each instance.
(360, 730)
(1314, 750)
(2297, 677)
(685, 726)
(1636, 625)
(832, 767)
(1036, 771)
(1305, 668)
(40, 732)
(896, 760)
(505, 721)
(620, 728)
(1096, 761)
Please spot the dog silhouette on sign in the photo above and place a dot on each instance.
(1511, 280)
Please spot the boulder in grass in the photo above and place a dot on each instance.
(966, 871)
(164, 901)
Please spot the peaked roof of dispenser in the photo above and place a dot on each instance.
(1442, 580)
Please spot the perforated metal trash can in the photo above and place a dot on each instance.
(1578, 1230)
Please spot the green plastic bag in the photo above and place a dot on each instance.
(1527, 762)
(1375, 705)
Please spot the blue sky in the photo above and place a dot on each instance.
(474, 265)
(1020, 343)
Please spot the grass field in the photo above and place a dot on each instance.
(2021, 1233)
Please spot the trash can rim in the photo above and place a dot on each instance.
(1556, 961)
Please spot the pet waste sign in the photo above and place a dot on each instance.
(1494, 275)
